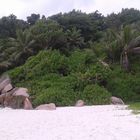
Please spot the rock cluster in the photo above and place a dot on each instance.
(13, 97)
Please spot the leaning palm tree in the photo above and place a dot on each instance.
(132, 48)
(130, 44)
(124, 38)
(111, 44)
(124, 42)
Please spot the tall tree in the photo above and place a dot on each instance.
(9, 25)
(33, 19)
(89, 25)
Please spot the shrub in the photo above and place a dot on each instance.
(57, 95)
(124, 85)
(53, 77)
(94, 94)
(80, 60)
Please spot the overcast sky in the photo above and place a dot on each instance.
(23, 8)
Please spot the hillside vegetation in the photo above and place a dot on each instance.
(72, 56)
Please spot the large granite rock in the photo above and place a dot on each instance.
(50, 106)
(116, 101)
(13, 97)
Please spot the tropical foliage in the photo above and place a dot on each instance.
(74, 55)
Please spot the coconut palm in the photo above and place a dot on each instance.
(24, 41)
(15, 51)
(124, 42)
(111, 44)
(22, 44)
(132, 48)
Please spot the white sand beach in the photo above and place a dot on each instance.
(70, 123)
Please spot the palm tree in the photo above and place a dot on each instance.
(111, 44)
(23, 44)
(125, 42)
(24, 41)
(132, 48)
(74, 39)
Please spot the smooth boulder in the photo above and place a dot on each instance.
(27, 104)
(80, 103)
(21, 92)
(116, 101)
(7, 88)
(4, 81)
(50, 106)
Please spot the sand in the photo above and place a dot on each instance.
(70, 123)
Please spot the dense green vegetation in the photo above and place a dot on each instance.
(73, 56)
(53, 77)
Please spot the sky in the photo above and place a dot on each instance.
(24, 8)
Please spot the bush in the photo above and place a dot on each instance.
(57, 95)
(124, 85)
(80, 60)
(61, 90)
(94, 95)
(45, 62)
(53, 77)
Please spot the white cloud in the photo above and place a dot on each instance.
(23, 8)
(109, 6)
(11, 6)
